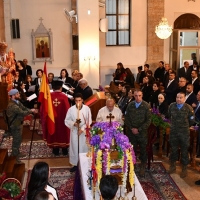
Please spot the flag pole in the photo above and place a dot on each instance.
(34, 116)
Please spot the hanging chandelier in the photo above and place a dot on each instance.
(163, 30)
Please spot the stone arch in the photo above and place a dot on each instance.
(187, 21)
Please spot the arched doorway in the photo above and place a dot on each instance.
(185, 40)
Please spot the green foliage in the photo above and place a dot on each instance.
(13, 188)
(157, 120)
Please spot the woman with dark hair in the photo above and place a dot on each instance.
(119, 74)
(146, 89)
(151, 78)
(65, 79)
(39, 181)
(21, 69)
(64, 76)
(22, 90)
(130, 79)
(17, 79)
(124, 98)
(153, 98)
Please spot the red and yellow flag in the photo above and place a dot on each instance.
(46, 103)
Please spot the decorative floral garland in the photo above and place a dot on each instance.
(102, 136)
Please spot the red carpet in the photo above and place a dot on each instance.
(157, 184)
(39, 149)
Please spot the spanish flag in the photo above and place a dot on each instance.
(46, 103)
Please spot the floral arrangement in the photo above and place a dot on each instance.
(106, 138)
(11, 189)
(158, 120)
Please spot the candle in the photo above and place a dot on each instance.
(78, 111)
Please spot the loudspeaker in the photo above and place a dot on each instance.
(75, 42)
(15, 28)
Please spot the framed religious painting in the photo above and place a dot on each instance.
(42, 43)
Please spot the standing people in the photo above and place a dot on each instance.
(181, 116)
(159, 71)
(82, 112)
(16, 113)
(137, 120)
(61, 137)
(27, 67)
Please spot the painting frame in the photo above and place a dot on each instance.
(42, 44)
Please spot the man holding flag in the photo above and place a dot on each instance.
(53, 110)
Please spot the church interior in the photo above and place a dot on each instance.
(92, 37)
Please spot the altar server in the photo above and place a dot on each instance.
(77, 112)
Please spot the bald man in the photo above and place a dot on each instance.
(104, 112)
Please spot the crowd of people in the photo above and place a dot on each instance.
(176, 96)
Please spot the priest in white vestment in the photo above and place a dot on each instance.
(84, 114)
(104, 113)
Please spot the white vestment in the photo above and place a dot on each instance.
(70, 119)
(104, 112)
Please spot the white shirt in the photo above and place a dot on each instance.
(52, 191)
(194, 79)
(170, 81)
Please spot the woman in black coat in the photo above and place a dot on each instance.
(146, 89)
(153, 98)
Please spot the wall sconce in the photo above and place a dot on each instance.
(90, 58)
(191, 0)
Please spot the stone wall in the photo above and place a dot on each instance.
(155, 46)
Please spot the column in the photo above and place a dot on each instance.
(155, 45)
(88, 31)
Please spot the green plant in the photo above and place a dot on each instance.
(13, 188)
(157, 120)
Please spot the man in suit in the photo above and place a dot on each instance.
(181, 85)
(190, 97)
(195, 66)
(170, 89)
(164, 79)
(28, 67)
(159, 71)
(185, 71)
(37, 81)
(195, 81)
(86, 90)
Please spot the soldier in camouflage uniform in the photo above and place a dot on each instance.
(137, 120)
(15, 113)
(182, 117)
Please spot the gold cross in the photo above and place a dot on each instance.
(56, 102)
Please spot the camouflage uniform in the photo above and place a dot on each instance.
(18, 110)
(139, 118)
(181, 120)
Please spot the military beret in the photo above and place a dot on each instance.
(13, 92)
